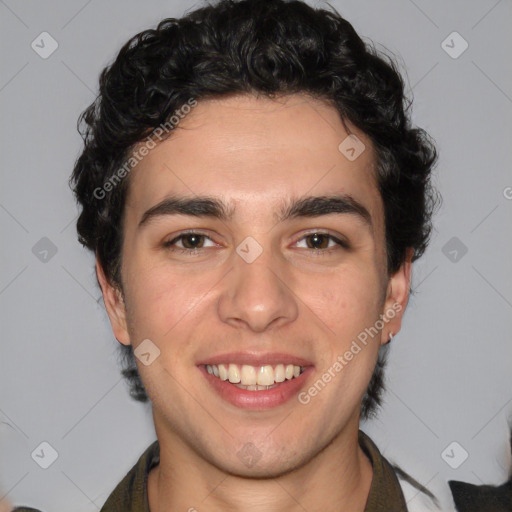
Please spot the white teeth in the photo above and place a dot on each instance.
(254, 378)
(266, 376)
(248, 377)
(279, 373)
(234, 374)
(254, 387)
(223, 372)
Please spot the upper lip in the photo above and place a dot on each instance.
(255, 359)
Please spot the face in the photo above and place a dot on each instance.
(254, 250)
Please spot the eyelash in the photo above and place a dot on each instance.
(169, 245)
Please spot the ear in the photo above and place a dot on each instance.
(115, 305)
(397, 295)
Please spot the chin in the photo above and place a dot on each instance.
(269, 462)
(262, 470)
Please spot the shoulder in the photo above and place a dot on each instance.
(130, 495)
(432, 496)
(420, 498)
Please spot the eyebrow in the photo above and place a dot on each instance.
(310, 206)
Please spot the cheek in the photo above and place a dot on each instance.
(347, 300)
(164, 301)
(156, 301)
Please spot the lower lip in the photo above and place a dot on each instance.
(257, 400)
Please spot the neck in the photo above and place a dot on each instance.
(337, 478)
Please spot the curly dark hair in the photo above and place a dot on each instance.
(269, 48)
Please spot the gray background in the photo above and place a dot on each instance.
(450, 375)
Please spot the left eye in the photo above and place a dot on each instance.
(321, 241)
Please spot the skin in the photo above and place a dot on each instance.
(254, 153)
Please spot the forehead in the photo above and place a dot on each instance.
(257, 151)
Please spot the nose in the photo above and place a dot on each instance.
(258, 295)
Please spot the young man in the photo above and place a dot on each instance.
(255, 195)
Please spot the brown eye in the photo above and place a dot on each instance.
(192, 241)
(188, 242)
(318, 241)
(322, 243)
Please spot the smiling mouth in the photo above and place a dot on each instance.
(255, 378)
